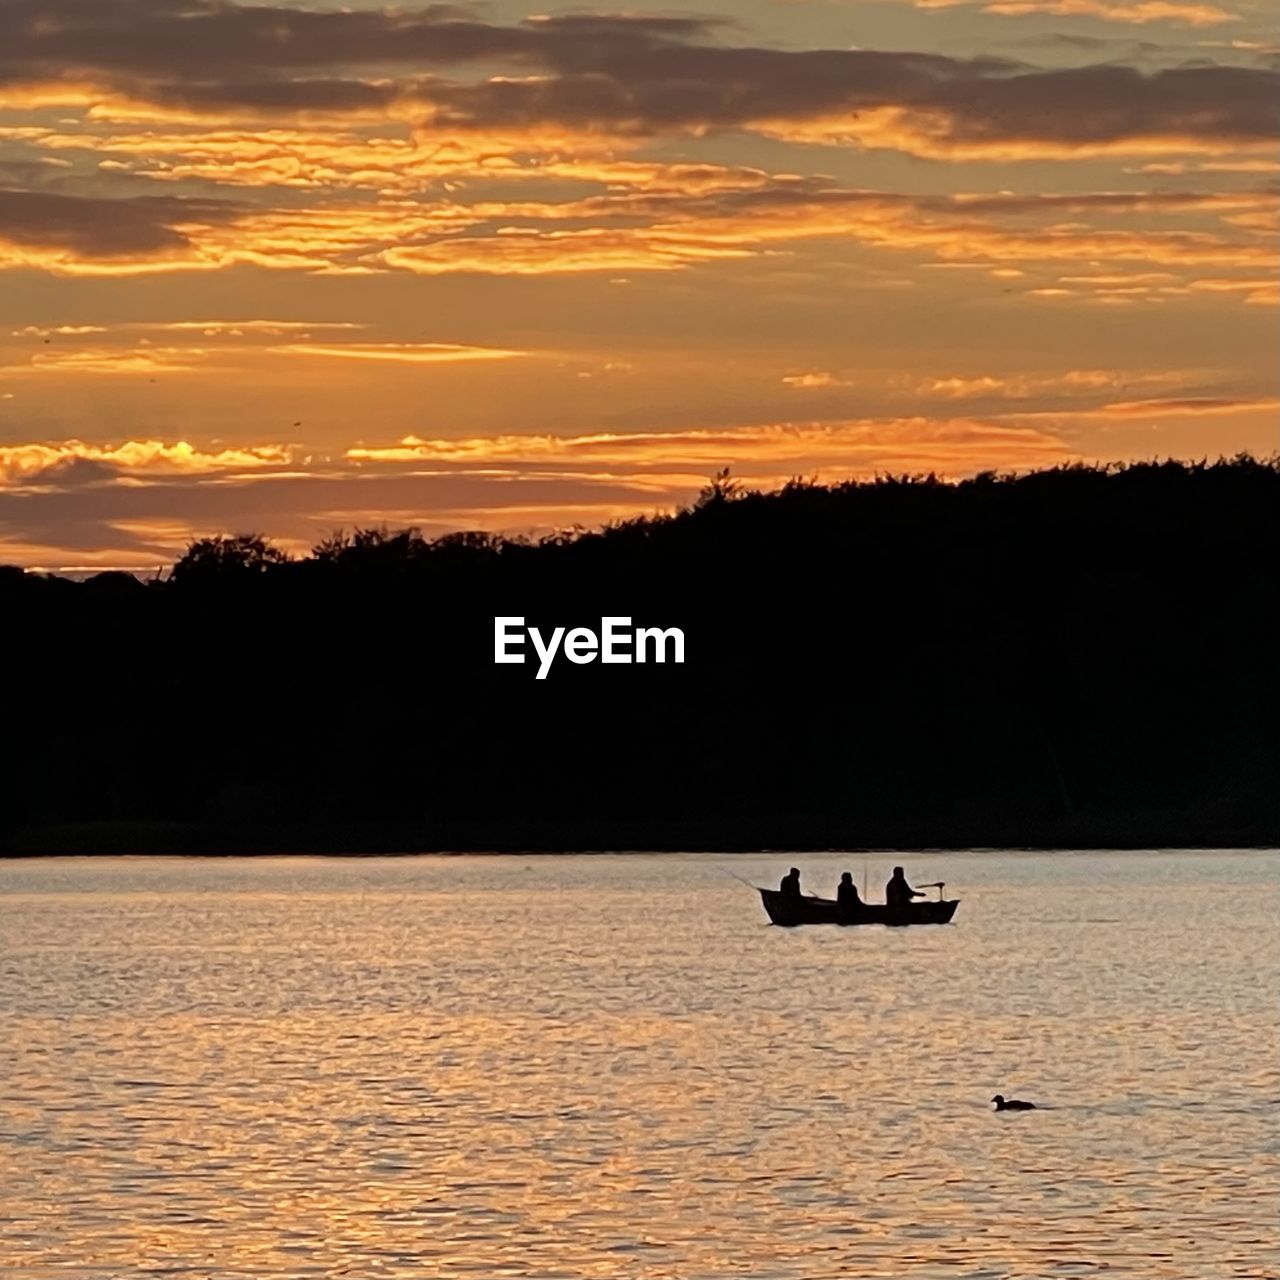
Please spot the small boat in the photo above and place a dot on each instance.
(790, 911)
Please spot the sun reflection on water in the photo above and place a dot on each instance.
(604, 1067)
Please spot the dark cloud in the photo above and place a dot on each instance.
(95, 227)
(209, 37)
(1091, 105)
(615, 74)
(27, 173)
(980, 101)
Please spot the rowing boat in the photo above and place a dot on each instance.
(789, 911)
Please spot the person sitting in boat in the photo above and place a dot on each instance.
(790, 885)
(898, 893)
(847, 900)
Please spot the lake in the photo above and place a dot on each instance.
(612, 1066)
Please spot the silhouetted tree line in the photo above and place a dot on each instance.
(1078, 656)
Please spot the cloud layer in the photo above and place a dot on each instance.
(287, 266)
(632, 75)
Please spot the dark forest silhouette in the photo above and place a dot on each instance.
(1079, 656)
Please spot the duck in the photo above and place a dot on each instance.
(1012, 1104)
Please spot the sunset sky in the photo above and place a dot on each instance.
(288, 268)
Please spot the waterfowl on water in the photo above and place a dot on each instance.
(1011, 1104)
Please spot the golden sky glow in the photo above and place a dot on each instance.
(286, 268)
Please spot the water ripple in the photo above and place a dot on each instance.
(602, 1067)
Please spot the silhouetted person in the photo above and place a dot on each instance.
(790, 885)
(898, 893)
(847, 900)
(1011, 1104)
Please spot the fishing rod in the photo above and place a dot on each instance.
(740, 879)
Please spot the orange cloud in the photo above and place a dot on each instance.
(1159, 286)
(112, 360)
(522, 238)
(1132, 12)
(405, 352)
(916, 443)
(57, 330)
(645, 230)
(960, 229)
(153, 360)
(1194, 405)
(1258, 293)
(941, 134)
(1019, 386)
(139, 502)
(1176, 168)
(32, 463)
(403, 163)
(645, 220)
(541, 252)
(328, 239)
(338, 158)
(814, 381)
(244, 328)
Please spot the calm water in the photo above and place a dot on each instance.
(613, 1067)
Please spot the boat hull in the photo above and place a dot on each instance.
(789, 911)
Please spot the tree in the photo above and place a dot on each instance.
(228, 557)
(721, 488)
